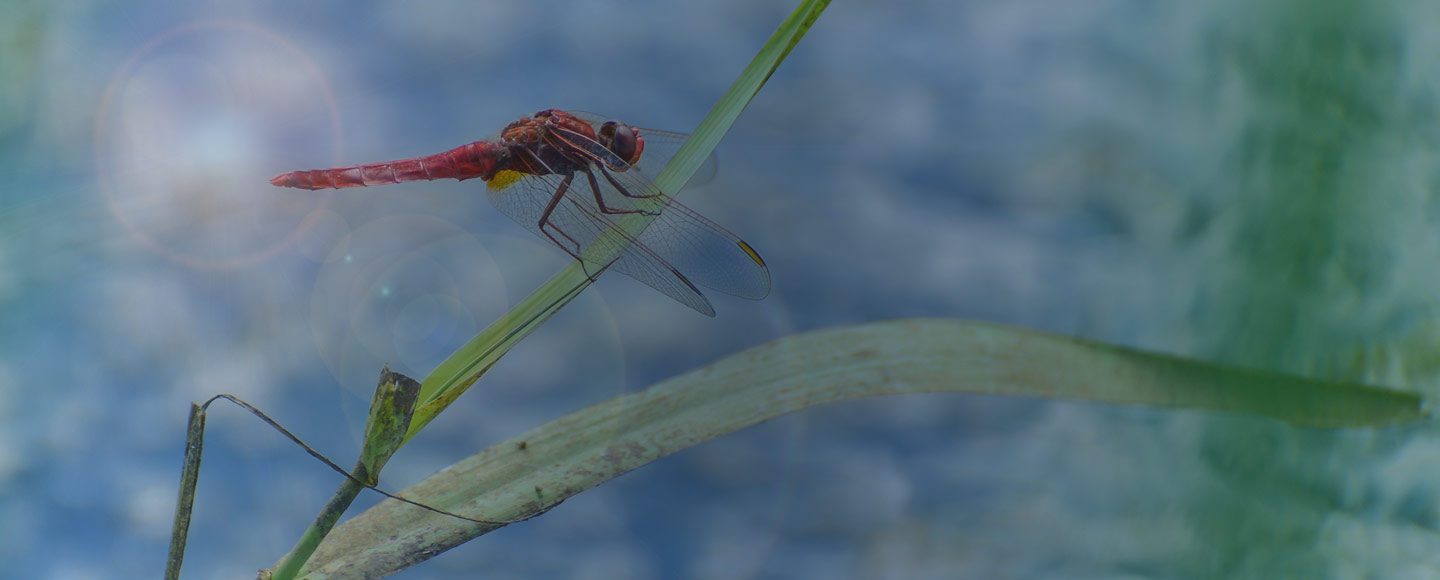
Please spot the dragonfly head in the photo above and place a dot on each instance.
(622, 140)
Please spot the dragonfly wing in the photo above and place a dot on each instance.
(655, 273)
(709, 254)
(577, 225)
(661, 147)
(522, 200)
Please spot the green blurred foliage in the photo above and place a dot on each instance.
(1311, 264)
(22, 32)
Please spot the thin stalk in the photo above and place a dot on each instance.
(185, 503)
(290, 565)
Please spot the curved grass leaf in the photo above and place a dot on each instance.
(537, 470)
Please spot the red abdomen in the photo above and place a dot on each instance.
(479, 159)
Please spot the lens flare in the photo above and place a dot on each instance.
(189, 127)
(402, 291)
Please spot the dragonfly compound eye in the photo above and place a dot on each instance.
(623, 140)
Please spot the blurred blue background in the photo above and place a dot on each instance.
(1248, 182)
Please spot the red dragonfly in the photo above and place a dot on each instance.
(567, 176)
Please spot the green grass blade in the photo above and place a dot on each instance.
(453, 376)
(598, 443)
(185, 501)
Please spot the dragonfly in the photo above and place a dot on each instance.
(571, 177)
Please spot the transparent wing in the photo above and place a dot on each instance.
(576, 225)
(709, 254)
(583, 207)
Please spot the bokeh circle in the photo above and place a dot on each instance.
(192, 124)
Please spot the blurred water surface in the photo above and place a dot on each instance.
(1251, 182)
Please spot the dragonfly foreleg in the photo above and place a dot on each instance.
(600, 199)
(625, 191)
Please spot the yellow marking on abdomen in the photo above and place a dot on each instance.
(504, 178)
(749, 251)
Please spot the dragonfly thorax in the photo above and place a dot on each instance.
(554, 142)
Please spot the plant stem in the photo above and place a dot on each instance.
(290, 565)
(185, 503)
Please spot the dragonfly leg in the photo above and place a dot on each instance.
(623, 190)
(550, 209)
(600, 199)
